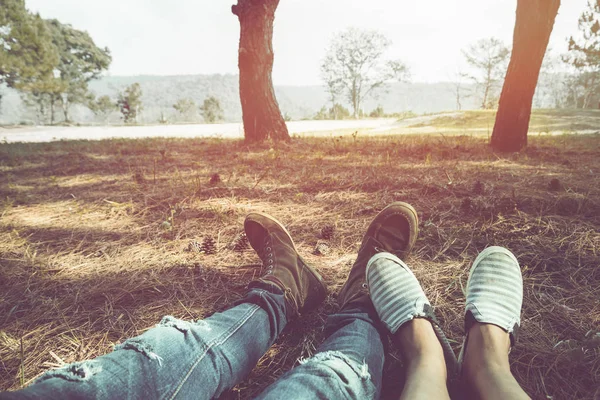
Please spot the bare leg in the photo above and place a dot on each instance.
(425, 366)
(486, 371)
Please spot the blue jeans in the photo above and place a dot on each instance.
(203, 359)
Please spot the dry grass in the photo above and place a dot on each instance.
(543, 121)
(93, 238)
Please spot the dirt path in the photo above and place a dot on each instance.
(235, 130)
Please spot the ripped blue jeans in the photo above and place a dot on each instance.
(203, 359)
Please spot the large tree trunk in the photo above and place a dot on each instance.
(535, 20)
(260, 111)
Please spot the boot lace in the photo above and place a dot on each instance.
(267, 256)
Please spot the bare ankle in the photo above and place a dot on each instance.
(486, 352)
(419, 344)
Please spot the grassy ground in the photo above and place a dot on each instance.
(93, 239)
(542, 121)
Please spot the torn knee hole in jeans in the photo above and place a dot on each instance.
(140, 346)
(361, 369)
(77, 371)
(180, 325)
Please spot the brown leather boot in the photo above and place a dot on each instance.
(394, 230)
(303, 286)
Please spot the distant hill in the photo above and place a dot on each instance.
(296, 102)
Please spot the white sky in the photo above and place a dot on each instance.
(171, 37)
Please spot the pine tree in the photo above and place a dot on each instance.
(27, 55)
(584, 53)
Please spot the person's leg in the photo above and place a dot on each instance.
(406, 312)
(486, 369)
(492, 320)
(349, 364)
(423, 356)
(200, 359)
(176, 358)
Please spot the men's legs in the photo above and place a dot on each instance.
(176, 358)
(349, 364)
(199, 359)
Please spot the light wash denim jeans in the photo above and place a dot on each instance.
(203, 359)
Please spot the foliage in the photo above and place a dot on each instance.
(26, 50)
(130, 103)
(80, 61)
(584, 57)
(43, 95)
(336, 112)
(211, 110)
(377, 113)
(48, 62)
(186, 107)
(355, 66)
(102, 106)
(585, 51)
(488, 58)
(27, 56)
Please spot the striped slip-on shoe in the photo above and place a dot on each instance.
(494, 293)
(398, 298)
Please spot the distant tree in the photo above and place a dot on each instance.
(80, 62)
(584, 54)
(552, 88)
(459, 90)
(27, 54)
(322, 114)
(102, 107)
(377, 113)
(535, 20)
(42, 95)
(211, 110)
(355, 66)
(336, 112)
(130, 103)
(260, 111)
(488, 58)
(186, 108)
(335, 88)
(581, 88)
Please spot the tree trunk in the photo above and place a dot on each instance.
(65, 107)
(535, 20)
(484, 102)
(52, 102)
(260, 111)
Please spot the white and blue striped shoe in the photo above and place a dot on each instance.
(494, 292)
(398, 298)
